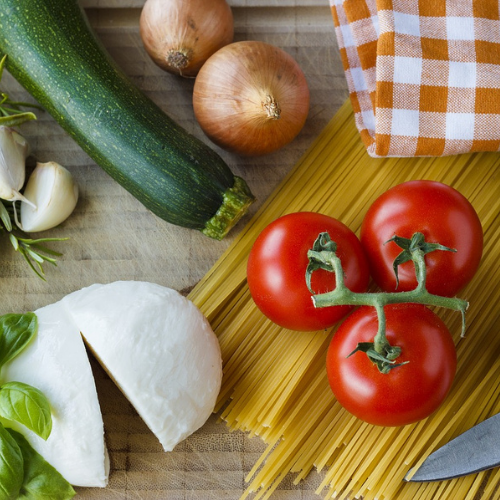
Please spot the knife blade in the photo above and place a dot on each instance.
(475, 450)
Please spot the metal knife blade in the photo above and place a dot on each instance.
(473, 451)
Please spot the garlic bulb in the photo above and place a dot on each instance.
(14, 149)
(54, 194)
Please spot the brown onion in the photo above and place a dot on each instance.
(251, 98)
(180, 35)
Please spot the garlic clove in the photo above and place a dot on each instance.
(54, 194)
(14, 150)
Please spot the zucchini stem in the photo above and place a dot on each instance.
(235, 203)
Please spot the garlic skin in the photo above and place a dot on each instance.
(54, 194)
(14, 149)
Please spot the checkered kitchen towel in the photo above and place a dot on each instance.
(423, 75)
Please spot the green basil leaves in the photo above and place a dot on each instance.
(24, 474)
(11, 466)
(40, 479)
(24, 404)
(16, 331)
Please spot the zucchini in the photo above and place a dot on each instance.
(54, 54)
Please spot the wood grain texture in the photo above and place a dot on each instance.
(233, 3)
(113, 237)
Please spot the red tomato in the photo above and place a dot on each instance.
(407, 393)
(277, 267)
(444, 216)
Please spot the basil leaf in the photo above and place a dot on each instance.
(11, 466)
(27, 405)
(16, 331)
(41, 480)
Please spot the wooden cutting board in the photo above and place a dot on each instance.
(113, 237)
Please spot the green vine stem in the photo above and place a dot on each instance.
(323, 256)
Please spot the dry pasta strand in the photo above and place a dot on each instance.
(274, 384)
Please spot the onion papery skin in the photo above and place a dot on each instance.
(234, 89)
(180, 35)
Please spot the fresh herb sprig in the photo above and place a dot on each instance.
(11, 112)
(23, 472)
(34, 251)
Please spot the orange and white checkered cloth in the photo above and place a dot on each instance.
(423, 75)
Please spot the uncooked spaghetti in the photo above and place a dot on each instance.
(275, 384)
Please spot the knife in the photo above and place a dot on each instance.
(473, 451)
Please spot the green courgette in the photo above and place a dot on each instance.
(52, 51)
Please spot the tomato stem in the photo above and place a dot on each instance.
(380, 341)
(323, 256)
(347, 297)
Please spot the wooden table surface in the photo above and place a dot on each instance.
(113, 237)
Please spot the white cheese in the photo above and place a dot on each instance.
(158, 348)
(56, 362)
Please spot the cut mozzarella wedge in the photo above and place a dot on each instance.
(158, 348)
(56, 362)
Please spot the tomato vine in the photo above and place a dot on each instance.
(380, 351)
